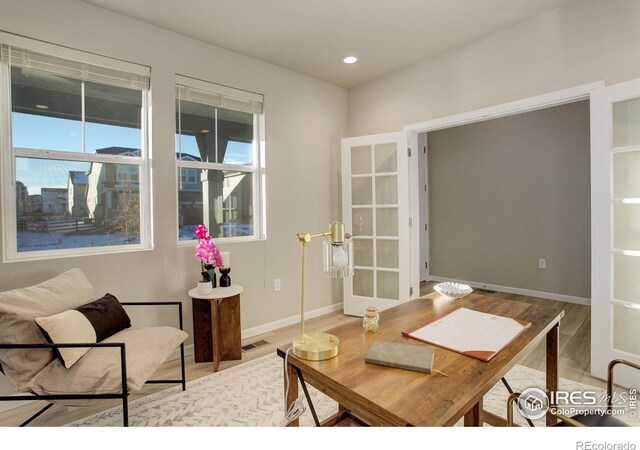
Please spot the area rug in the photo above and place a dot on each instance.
(251, 394)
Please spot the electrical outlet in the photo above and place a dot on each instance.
(542, 264)
(276, 284)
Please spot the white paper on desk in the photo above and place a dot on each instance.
(466, 330)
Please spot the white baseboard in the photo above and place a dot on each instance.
(261, 329)
(512, 290)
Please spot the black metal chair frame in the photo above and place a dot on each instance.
(123, 395)
(570, 420)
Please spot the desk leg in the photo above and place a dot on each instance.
(553, 339)
(292, 395)
(473, 418)
(215, 328)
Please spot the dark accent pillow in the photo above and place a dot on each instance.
(89, 323)
(106, 315)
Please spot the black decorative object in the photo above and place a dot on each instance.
(225, 279)
(209, 274)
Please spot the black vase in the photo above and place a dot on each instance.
(210, 274)
(225, 279)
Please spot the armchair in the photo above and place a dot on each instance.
(110, 369)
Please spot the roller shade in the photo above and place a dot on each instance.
(19, 57)
(220, 96)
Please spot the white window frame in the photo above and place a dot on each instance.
(9, 154)
(257, 169)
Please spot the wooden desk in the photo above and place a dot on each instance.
(216, 325)
(383, 396)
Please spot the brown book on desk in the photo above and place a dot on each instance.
(401, 356)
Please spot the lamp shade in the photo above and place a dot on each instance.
(337, 259)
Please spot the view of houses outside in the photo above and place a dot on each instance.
(232, 194)
(69, 203)
(221, 197)
(99, 206)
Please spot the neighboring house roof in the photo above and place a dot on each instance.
(78, 177)
(128, 151)
(187, 157)
(124, 151)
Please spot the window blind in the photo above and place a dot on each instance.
(222, 97)
(27, 59)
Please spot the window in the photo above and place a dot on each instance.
(127, 174)
(219, 158)
(74, 154)
(188, 176)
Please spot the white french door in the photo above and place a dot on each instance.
(375, 210)
(615, 223)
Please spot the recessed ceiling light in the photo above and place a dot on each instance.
(350, 60)
(204, 131)
(42, 107)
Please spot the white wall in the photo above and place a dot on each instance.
(305, 120)
(582, 42)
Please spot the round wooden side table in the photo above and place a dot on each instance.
(216, 325)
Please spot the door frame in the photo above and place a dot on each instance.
(556, 98)
(423, 198)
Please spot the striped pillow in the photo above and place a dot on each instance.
(89, 323)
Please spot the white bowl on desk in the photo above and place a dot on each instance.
(453, 290)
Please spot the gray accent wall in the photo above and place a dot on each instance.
(506, 192)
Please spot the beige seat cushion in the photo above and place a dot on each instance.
(19, 308)
(98, 371)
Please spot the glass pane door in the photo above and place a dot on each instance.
(374, 206)
(625, 202)
(616, 229)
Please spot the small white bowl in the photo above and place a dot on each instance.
(453, 290)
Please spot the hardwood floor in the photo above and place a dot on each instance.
(575, 356)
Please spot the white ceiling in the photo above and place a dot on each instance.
(313, 36)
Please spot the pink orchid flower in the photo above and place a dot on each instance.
(208, 252)
(201, 231)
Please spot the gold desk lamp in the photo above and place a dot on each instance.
(337, 264)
